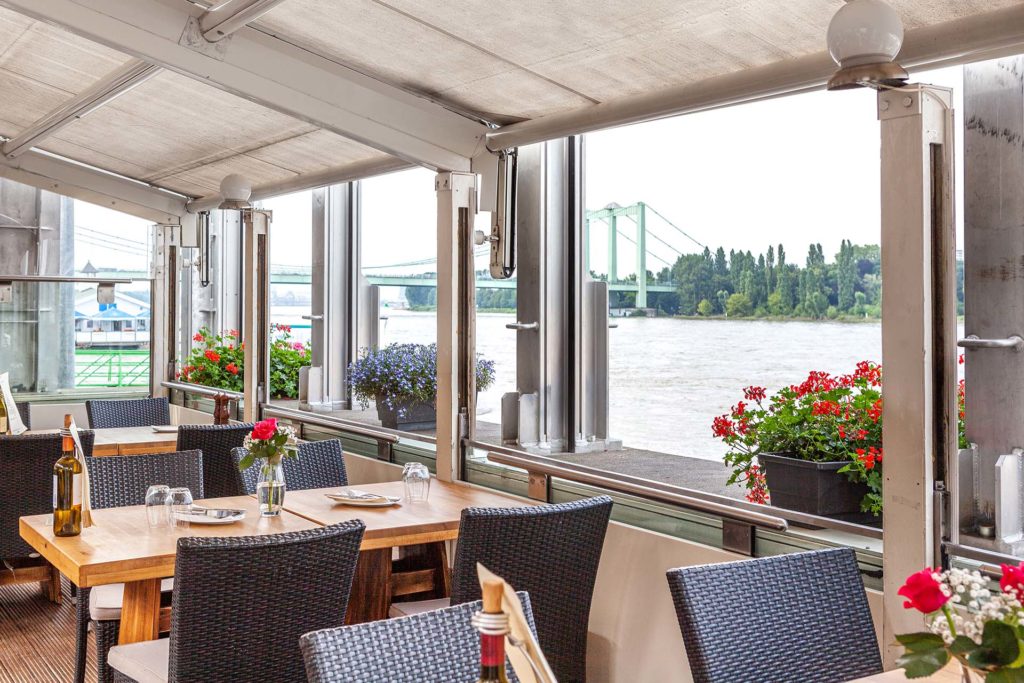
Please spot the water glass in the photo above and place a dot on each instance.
(416, 478)
(179, 507)
(156, 505)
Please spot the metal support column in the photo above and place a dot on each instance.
(456, 319)
(164, 309)
(256, 310)
(918, 333)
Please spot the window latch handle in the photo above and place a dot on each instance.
(972, 341)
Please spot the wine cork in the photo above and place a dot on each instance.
(493, 591)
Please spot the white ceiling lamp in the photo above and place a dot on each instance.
(235, 191)
(864, 38)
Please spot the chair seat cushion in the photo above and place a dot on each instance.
(105, 601)
(146, 662)
(407, 609)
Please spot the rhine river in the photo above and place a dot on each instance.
(671, 377)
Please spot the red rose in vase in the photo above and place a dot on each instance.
(923, 592)
(265, 430)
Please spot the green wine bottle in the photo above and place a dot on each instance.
(67, 487)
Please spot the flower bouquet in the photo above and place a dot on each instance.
(269, 443)
(981, 628)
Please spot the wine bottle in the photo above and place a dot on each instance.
(493, 625)
(67, 487)
(5, 424)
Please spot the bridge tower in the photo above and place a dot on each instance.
(610, 215)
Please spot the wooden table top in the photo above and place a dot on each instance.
(949, 674)
(128, 440)
(407, 523)
(120, 546)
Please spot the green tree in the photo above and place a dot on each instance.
(705, 308)
(739, 306)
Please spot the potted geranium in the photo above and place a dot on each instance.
(269, 443)
(401, 379)
(982, 629)
(813, 447)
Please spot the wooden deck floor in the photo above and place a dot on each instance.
(37, 638)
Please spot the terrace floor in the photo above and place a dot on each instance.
(38, 637)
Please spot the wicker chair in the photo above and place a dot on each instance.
(116, 481)
(25, 411)
(549, 551)
(143, 412)
(221, 477)
(800, 618)
(320, 464)
(432, 646)
(241, 604)
(27, 485)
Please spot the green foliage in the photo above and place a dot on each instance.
(218, 360)
(705, 308)
(925, 653)
(739, 306)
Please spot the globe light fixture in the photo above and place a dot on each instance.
(235, 191)
(864, 38)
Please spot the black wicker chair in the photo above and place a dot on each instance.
(800, 618)
(116, 481)
(241, 604)
(24, 410)
(432, 646)
(320, 464)
(221, 477)
(143, 412)
(552, 553)
(27, 485)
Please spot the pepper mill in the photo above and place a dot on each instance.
(221, 415)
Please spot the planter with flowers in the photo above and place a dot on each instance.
(401, 379)
(218, 360)
(982, 629)
(813, 447)
(269, 443)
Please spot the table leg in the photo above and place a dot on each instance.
(140, 611)
(421, 572)
(371, 587)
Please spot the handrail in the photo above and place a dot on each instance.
(329, 422)
(575, 472)
(70, 278)
(200, 389)
(979, 554)
(572, 473)
(972, 341)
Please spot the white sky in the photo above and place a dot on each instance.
(794, 170)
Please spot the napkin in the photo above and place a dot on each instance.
(523, 650)
(355, 494)
(86, 498)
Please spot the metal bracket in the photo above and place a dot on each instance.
(738, 537)
(192, 38)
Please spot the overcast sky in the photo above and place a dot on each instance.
(793, 170)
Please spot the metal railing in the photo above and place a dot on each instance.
(201, 390)
(729, 508)
(111, 368)
(306, 417)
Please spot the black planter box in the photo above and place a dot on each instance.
(816, 488)
(409, 417)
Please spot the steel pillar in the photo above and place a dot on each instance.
(256, 310)
(918, 333)
(456, 319)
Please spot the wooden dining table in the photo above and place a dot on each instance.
(948, 674)
(121, 547)
(128, 440)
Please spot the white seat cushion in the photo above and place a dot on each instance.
(146, 662)
(407, 609)
(105, 601)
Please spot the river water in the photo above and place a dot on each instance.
(670, 377)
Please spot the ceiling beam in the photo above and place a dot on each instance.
(60, 176)
(221, 21)
(275, 74)
(116, 83)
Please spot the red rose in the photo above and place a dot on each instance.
(265, 430)
(923, 592)
(212, 356)
(1012, 580)
(232, 368)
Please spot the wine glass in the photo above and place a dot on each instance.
(416, 477)
(179, 507)
(156, 505)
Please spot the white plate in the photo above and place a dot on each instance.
(200, 518)
(165, 429)
(383, 502)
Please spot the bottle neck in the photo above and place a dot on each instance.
(492, 658)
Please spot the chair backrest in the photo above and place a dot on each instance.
(241, 603)
(549, 551)
(220, 474)
(26, 488)
(319, 465)
(431, 646)
(141, 412)
(118, 480)
(800, 618)
(24, 410)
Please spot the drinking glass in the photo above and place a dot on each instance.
(179, 506)
(156, 505)
(416, 477)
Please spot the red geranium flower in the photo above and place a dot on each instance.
(923, 592)
(197, 337)
(755, 393)
(212, 356)
(265, 430)
(232, 368)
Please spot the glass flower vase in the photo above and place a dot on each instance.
(270, 489)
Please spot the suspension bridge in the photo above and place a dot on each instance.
(632, 224)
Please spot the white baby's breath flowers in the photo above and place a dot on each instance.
(982, 605)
